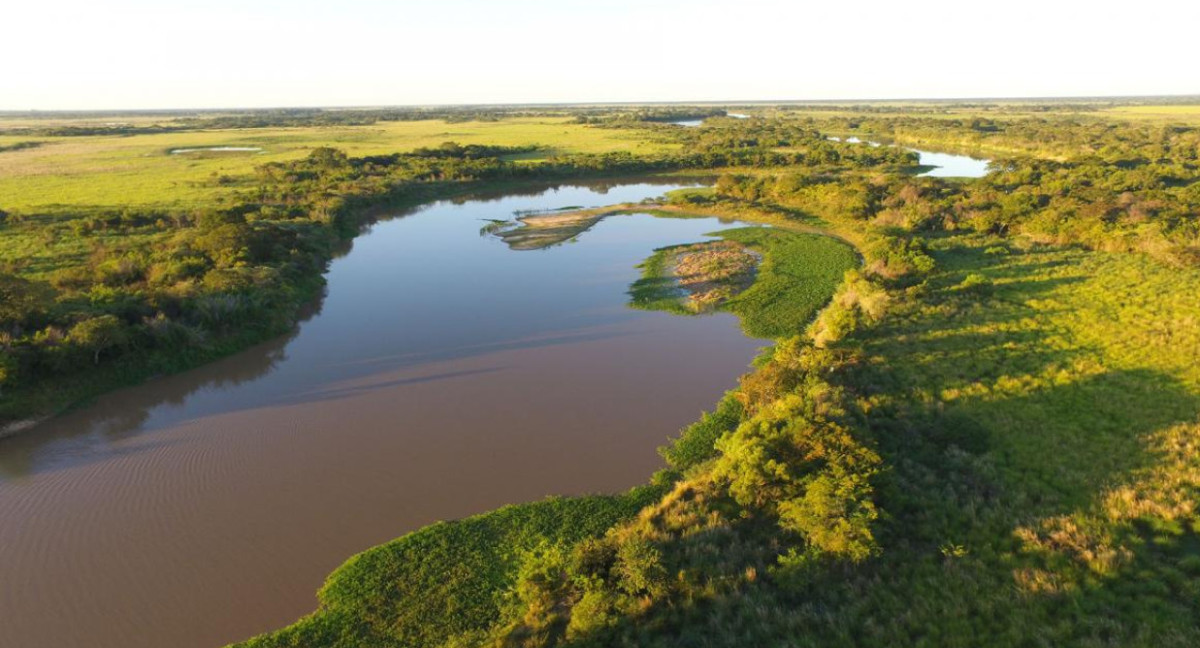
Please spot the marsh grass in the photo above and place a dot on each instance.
(796, 277)
(450, 575)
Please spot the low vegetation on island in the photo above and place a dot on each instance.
(694, 277)
(540, 231)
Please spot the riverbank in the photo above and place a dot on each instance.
(1008, 374)
(54, 395)
(246, 444)
(797, 274)
(398, 579)
(802, 262)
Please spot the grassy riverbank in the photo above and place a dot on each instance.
(795, 278)
(1035, 408)
(452, 571)
(422, 575)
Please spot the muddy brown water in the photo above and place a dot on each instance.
(444, 375)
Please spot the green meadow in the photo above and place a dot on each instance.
(71, 174)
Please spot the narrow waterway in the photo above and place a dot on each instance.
(945, 165)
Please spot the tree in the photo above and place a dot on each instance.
(20, 301)
(98, 334)
(327, 157)
(8, 370)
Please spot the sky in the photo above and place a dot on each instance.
(153, 54)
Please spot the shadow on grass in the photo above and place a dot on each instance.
(990, 418)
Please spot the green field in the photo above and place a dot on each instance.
(1188, 113)
(83, 173)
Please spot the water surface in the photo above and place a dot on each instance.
(945, 165)
(444, 375)
(950, 165)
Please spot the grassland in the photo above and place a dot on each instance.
(1186, 113)
(73, 174)
(1038, 408)
(70, 174)
(1184, 109)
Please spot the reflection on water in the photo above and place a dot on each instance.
(949, 165)
(945, 165)
(443, 375)
(95, 432)
(693, 123)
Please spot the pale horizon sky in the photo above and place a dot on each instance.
(139, 54)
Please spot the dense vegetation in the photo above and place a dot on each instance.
(140, 292)
(657, 114)
(451, 570)
(987, 437)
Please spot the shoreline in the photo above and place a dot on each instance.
(30, 405)
(341, 594)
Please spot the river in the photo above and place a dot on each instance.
(944, 165)
(443, 375)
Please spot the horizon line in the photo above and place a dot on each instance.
(541, 104)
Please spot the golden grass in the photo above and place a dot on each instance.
(1174, 113)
